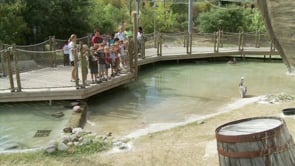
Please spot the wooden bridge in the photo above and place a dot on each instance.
(53, 83)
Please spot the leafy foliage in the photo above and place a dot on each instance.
(230, 20)
(32, 21)
(12, 24)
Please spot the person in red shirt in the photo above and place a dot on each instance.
(97, 39)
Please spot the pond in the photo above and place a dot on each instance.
(170, 93)
(163, 94)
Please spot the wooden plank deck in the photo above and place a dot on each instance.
(54, 83)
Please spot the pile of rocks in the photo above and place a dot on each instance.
(75, 137)
(275, 99)
(79, 137)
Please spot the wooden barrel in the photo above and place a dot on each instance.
(262, 141)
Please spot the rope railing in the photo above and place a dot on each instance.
(48, 54)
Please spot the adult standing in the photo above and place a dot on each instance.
(72, 52)
(66, 53)
(139, 38)
(97, 40)
(121, 34)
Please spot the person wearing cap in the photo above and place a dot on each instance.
(242, 87)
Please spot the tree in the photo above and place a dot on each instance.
(56, 17)
(12, 24)
(230, 20)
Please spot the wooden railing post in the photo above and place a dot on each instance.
(53, 51)
(8, 60)
(161, 45)
(184, 40)
(155, 39)
(50, 49)
(256, 39)
(17, 75)
(259, 38)
(142, 47)
(89, 35)
(190, 43)
(131, 49)
(187, 42)
(2, 59)
(83, 64)
(76, 65)
(215, 42)
(218, 41)
(221, 38)
(135, 28)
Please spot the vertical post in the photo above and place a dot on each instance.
(53, 51)
(242, 40)
(184, 40)
(142, 47)
(158, 44)
(89, 39)
(8, 60)
(187, 42)
(271, 48)
(50, 49)
(131, 49)
(218, 41)
(256, 39)
(2, 59)
(259, 37)
(190, 22)
(19, 87)
(83, 63)
(135, 28)
(240, 43)
(76, 66)
(221, 38)
(215, 41)
(155, 32)
(161, 44)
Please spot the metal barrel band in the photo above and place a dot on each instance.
(258, 153)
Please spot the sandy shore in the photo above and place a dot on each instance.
(191, 142)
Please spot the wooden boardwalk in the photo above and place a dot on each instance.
(49, 84)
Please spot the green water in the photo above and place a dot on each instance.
(166, 93)
(19, 123)
(172, 93)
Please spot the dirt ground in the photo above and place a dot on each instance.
(193, 144)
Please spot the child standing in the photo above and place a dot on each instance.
(93, 65)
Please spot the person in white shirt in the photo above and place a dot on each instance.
(66, 54)
(139, 38)
(121, 34)
(72, 52)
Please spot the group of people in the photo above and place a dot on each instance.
(104, 55)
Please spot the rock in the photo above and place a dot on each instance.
(76, 130)
(68, 130)
(50, 149)
(123, 146)
(66, 139)
(109, 134)
(62, 147)
(11, 146)
(77, 109)
(58, 114)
